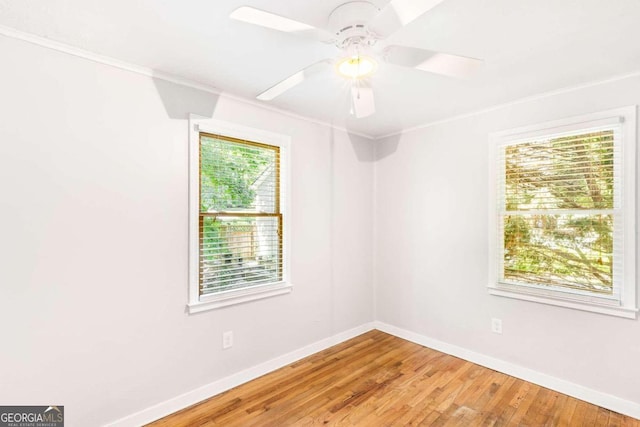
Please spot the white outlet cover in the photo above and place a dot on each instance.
(227, 339)
(496, 325)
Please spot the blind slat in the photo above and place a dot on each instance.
(240, 222)
(558, 203)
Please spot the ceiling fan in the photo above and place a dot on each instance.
(357, 28)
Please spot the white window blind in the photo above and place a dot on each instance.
(240, 218)
(560, 224)
(562, 213)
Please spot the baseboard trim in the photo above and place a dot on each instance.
(187, 399)
(170, 406)
(604, 400)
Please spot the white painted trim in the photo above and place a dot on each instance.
(557, 300)
(106, 60)
(198, 124)
(127, 66)
(103, 59)
(239, 296)
(524, 100)
(189, 398)
(595, 397)
(624, 121)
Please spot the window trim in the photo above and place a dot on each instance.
(626, 306)
(198, 303)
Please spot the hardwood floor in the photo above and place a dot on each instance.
(380, 380)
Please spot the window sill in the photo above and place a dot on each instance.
(238, 296)
(564, 301)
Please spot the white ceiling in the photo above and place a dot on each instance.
(529, 47)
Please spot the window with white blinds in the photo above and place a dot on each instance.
(561, 212)
(240, 223)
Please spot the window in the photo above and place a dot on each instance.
(563, 213)
(238, 218)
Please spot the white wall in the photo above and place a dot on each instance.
(93, 243)
(431, 251)
(93, 239)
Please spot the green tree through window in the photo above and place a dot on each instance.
(240, 218)
(558, 221)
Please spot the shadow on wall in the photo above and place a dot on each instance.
(179, 101)
(386, 147)
(362, 147)
(381, 147)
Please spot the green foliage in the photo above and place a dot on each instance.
(547, 238)
(228, 171)
(231, 176)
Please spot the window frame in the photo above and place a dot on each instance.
(625, 305)
(197, 125)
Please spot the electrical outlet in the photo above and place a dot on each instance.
(227, 339)
(496, 325)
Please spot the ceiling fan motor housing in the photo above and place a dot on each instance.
(349, 23)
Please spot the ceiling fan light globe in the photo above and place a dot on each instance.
(356, 67)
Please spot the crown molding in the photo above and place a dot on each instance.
(524, 100)
(157, 74)
(149, 72)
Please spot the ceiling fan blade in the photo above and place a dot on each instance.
(433, 62)
(399, 13)
(362, 101)
(293, 80)
(280, 23)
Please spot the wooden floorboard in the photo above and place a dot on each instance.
(379, 380)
